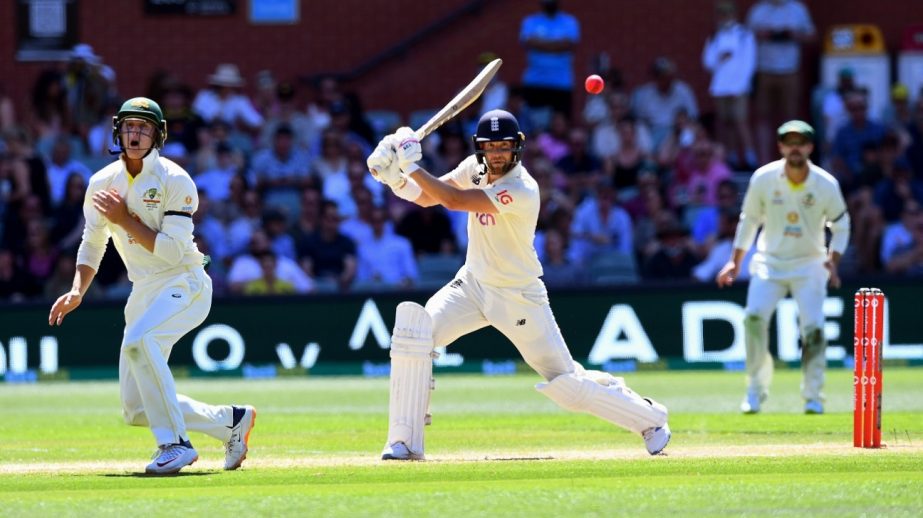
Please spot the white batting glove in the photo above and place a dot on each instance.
(383, 164)
(409, 151)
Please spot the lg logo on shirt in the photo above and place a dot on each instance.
(485, 218)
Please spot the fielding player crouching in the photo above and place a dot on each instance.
(498, 285)
(145, 204)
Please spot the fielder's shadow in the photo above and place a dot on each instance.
(141, 474)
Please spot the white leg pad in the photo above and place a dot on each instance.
(411, 375)
(615, 403)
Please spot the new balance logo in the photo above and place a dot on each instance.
(457, 283)
(521, 322)
(176, 295)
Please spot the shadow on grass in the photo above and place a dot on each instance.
(141, 474)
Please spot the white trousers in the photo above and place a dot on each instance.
(159, 312)
(523, 315)
(809, 292)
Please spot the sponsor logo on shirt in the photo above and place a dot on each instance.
(504, 197)
(792, 231)
(151, 198)
(485, 218)
(188, 200)
(777, 198)
(792, 217)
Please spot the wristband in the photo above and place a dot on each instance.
(410, 168)
(408, 190)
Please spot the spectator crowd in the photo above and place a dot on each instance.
(637, 184)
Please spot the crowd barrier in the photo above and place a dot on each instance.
(685, 326)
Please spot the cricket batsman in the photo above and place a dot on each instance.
(795, 202)
(145, 203)
(499, 285)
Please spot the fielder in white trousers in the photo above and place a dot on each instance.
(808, 291)
(160, 311)
(795, 202)
(144, 203)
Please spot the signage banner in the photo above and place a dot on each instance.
(618, 329)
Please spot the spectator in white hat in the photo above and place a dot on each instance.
(223, 99)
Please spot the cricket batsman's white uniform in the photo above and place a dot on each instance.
(499, 285)
(171, 294)
(789, 258)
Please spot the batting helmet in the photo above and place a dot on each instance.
(498, 126)
(140, 108)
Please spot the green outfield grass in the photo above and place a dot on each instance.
(496, 447)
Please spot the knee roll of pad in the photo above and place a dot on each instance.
(413, 332)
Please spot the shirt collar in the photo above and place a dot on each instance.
(149, 164)
(513, 173)
(807, 180)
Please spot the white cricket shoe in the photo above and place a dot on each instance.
(813, 406)
(656, 439)
(170, 458)
(752, 402)
(399, 451)
(235, 450)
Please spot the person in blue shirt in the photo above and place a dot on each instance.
(550, 38)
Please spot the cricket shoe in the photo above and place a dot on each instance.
(813, 406)
(170, 458)
(399, 451)
(656, 439)
(752, 402)
(235, 450)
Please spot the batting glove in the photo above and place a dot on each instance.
(383, 164)
(409, 151)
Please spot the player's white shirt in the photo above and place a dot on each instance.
(163, 197)
(501, 249)
(793, 218)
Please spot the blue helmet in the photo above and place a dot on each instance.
(498, 126)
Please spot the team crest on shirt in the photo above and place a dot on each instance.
(777, 197)
(151, 198)
(808, 200)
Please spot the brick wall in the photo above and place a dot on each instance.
(338, 35)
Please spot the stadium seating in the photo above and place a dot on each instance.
(613, 267)
(437, 270)
(383, 121)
